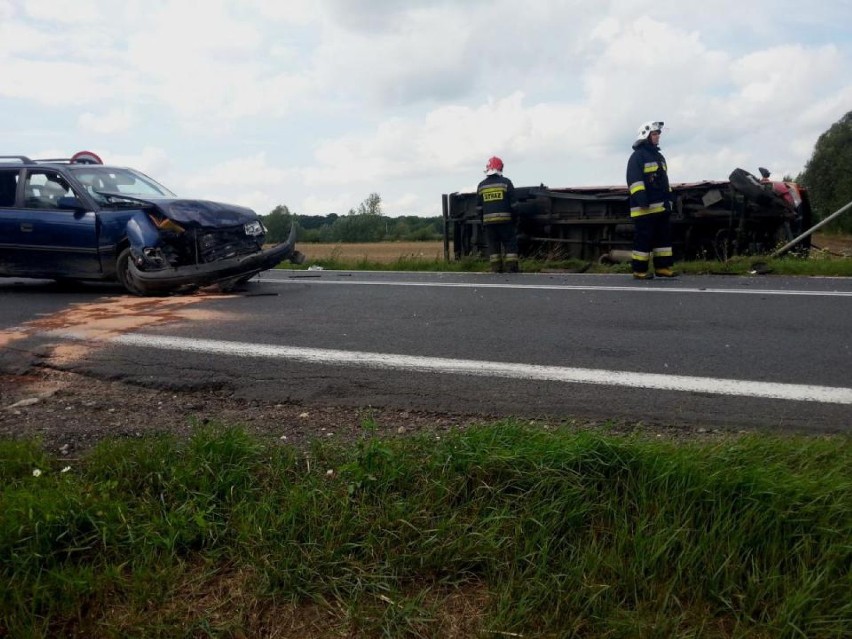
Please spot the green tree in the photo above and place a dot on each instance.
(372, 205)
(277, 223)
(828, 174)
(364, 224)
(399, 230)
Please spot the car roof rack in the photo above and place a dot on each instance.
(24, 159)
(81, 157)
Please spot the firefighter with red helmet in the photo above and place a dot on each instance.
(495, 197)
(650, 205)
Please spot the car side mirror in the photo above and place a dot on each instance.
(70, 202)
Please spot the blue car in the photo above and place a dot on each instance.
(76, 219)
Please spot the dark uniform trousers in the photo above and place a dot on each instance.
(501, 235)
(652, 239)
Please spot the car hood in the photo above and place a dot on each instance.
(202, 213)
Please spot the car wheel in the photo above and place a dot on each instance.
(124, 274)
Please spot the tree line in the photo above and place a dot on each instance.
(362, 224)
(828, 174)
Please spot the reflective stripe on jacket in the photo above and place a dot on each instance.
(647, 180)
(495, 195)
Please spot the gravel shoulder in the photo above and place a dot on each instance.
(70, 413)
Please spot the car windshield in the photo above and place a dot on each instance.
(102, 183)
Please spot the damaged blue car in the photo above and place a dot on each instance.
(76, 219)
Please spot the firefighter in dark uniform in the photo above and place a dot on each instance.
(650, 205)
(495, 197)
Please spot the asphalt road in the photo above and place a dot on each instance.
(715, 351)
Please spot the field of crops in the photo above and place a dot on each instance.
(384, 252)
(829, 257)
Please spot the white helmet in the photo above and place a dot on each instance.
(646, 129)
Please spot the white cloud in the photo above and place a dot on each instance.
(251, 181)
(64, 12)
(782, 79)
(153, 161)
(339, 203)
(317, 103)
(446, 139)
(113, 121)
(17, 38)
(296, 12)
(242, 172)
(423, 58)
(7, 10)
(200, 75)
(405, 202)
(55, 83)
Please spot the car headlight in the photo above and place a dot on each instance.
(254, 228)
(154, 257)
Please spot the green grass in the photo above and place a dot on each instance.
(498, 529)
(819, 264)
(466, 265)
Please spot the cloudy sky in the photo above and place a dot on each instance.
(318, 103)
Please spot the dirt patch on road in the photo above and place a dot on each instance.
(104, 319)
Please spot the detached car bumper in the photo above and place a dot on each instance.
(244, 266)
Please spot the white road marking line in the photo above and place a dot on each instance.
(735, 387)
(667, 288)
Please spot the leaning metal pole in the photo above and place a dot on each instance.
(795, 241)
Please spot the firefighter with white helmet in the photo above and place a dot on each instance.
(650, 205)
(495, 198)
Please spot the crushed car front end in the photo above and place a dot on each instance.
(176, 243)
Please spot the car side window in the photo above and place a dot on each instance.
(42, 190)
(8, 187)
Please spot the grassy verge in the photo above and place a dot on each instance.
(495, 530)
(381, 257)
(834, 267)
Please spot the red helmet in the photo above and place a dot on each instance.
(495, 165)
(86, 157)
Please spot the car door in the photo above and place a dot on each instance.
(54, 241)
(10, 253)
